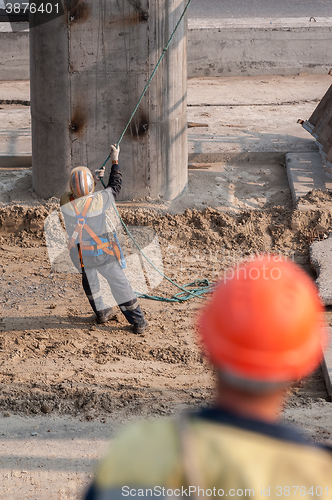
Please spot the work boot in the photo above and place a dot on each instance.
(139, 328)
(104, 315)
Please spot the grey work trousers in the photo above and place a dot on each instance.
(120, 287)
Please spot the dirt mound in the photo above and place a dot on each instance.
(202, 237)
(54, 358)
(317, 197)
(22, 225)
(248, 231)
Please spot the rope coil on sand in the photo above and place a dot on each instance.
(189, 291)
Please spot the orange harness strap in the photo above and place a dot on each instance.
(105, 247)
(80, 221)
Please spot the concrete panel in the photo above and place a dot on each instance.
(327, 364)
(321, 262)
(15, 92)
(215, 48)
(256, 47)
(15, 132)
(14, 53)
(15, 161)
(306, 172)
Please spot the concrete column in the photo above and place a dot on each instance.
(50, 114)
(88, 69)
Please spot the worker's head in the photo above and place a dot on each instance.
(81, 182)
(263, 326)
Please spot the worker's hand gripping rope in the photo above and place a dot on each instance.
(98, 174)
(115, 154)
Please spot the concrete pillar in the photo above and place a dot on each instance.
(88, 69)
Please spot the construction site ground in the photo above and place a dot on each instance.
(68, 384)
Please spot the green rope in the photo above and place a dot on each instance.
(149, 81)
(187, 291)
(197, 288)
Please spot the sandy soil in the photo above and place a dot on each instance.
(57, 363)
(54, 358)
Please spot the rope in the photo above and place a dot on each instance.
(199, 287)
(149, 80)
(196, 289)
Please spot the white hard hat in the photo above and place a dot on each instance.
(81, 182)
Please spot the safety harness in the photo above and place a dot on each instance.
(101, 245)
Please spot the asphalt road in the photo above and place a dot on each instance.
(217, 9)
(251, 8)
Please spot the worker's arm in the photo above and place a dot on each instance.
(115, 180)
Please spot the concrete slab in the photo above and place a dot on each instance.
(234, 187)
(259, 22)
(218, 47)
(253, 114)
(306, 172)
(15, 91)
(257, 90)
(321, 262)
(228, 47)
(240, 9)
(246, 129)
(14, 54)
(327, 364)
(15, 133)
(246, 116)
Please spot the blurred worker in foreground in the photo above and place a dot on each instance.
(92, 251)
(262, 329)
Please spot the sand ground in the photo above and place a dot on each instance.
(67, 384)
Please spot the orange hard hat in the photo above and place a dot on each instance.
(264, 322)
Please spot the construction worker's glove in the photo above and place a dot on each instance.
(98, 174)
(115, 153)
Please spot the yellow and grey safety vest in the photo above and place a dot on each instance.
(213, 454)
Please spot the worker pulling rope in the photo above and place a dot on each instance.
(199, 287)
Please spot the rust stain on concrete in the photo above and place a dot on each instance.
(77, 123)
(139, 126)
(77, 10)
